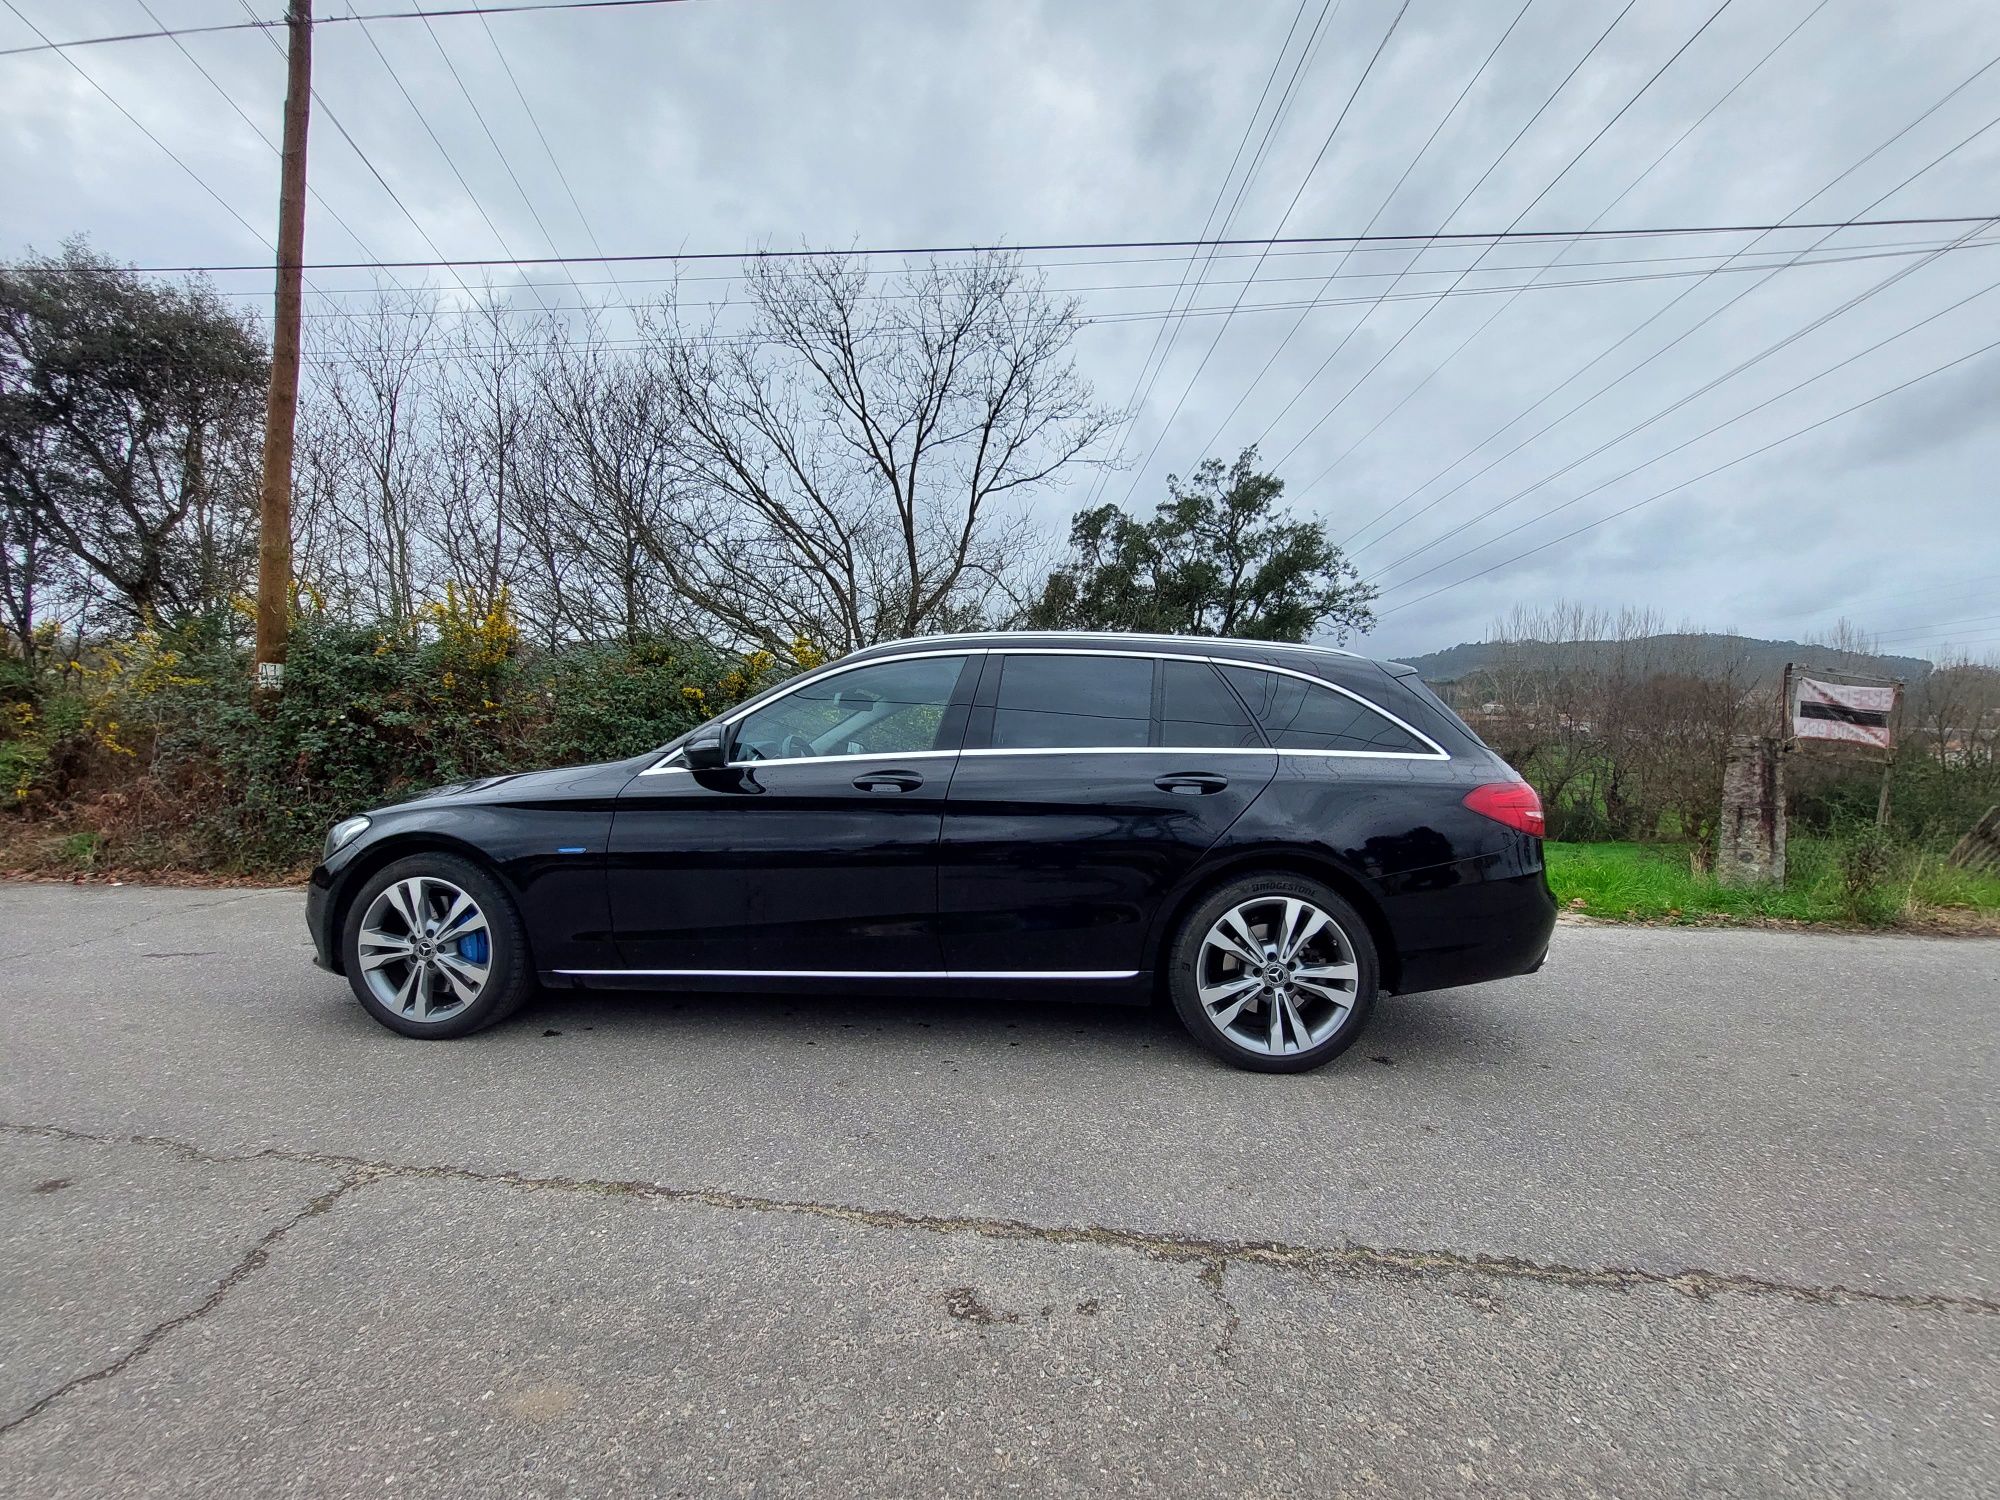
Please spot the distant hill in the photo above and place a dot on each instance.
(1765, 659)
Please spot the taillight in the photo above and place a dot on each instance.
(1511, 802)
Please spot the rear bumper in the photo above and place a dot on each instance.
(1461, 924)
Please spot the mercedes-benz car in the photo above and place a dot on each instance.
(1266, 836)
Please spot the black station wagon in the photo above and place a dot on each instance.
(1268, 835)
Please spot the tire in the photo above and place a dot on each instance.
(1324, 992)
(446, 960)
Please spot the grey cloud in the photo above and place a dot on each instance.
(726, 125)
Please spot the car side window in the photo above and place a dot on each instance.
(1301, 715)
(1073, 701)
(894, 708)
(1197, 710)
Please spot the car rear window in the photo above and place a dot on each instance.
(1073, 701)
(1197, 710)
(1301, 715)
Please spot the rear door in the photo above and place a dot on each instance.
(1090, 785)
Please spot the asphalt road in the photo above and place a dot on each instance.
(1687, 1211)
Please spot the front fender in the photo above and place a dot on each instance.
(551, 860)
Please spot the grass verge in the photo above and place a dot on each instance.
(1658, 883)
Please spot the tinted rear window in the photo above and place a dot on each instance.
(1062, 702)
(1301, 715)
(1423, 690)
(1197, 710)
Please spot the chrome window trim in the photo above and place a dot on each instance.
(888, 759)
(1189, 752)
(927, 974)
(668, 763)
(1438, 751)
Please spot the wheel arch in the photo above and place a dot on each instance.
(1293, 861)
(380, 855)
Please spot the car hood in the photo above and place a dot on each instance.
(599, 779)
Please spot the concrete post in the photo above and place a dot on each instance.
(1751, 841)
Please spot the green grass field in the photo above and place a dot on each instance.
(1656, 882)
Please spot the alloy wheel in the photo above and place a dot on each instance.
(1276, 975)
(424, 949)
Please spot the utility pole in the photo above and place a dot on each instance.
(274, 534)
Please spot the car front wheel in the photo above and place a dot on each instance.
(1274, 972)
(434, 947)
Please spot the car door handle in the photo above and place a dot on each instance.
(1191, 783)
(888, 781)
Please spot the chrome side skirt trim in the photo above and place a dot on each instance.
(850, 973)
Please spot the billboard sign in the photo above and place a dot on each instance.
(1843, 712)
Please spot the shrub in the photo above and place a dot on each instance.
(1864, 858)
(157, 756)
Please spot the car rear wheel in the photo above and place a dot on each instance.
(1274, 972)
(433, 947)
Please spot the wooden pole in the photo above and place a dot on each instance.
(274, 537)
(1889, 760)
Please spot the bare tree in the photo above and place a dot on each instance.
(1622, 725)
(600, 497)
(481, 432)
(365, 456)
(854, 461)
(1954, 712)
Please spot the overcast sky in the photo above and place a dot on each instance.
(730, 124)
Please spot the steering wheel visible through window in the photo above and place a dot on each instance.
(890, 708)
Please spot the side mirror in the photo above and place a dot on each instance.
(705, 752)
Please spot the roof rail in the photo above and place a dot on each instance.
(1121, 635)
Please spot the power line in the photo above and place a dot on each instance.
(1929, 595)
(1176, 312)
(1381, 208)
(1498, 236)
(1464, 198)
(1789, 256)
(1676, 489)
(498, 150)
(1548, 188)
(424, 120)
(1169, 331)
(1698, 437)
(529, 110)
(1674, 145)
(1283, 219)
(450, 352)
(1738, 369)
(1145, 316)
(326, 111)
(258, 130)
(199, 180)
(1653, 318)
(1920, 632)
(387, 15)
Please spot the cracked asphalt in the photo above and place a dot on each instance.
(1689, 1211)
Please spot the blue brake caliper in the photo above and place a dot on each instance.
(473, 948)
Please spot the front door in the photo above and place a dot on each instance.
(814, 852)
(1090, 785)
